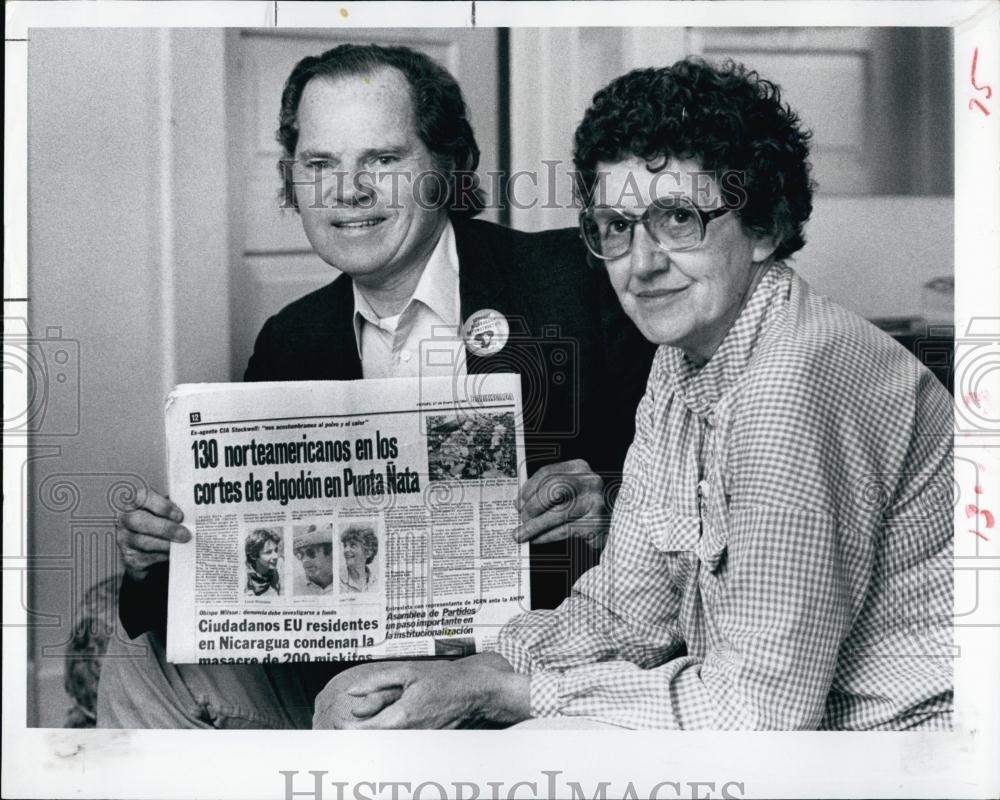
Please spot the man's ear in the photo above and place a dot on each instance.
(763, 248)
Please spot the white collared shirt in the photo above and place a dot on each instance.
(390, 347)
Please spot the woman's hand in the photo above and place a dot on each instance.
(424, 694)
(336, 708)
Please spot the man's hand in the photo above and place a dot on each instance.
(424, 694)
(145, 531)
(561, 501)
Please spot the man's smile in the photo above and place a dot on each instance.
(358, 224)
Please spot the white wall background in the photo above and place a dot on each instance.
(128, 256)
(877, 101)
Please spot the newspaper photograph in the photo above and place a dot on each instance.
(344, 521)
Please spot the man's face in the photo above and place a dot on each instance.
(685, 299)
(317, 563)
(358, 134)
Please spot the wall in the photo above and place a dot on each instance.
(873, 254)
(877, 100)
(127, 254)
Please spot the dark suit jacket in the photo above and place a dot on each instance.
(583, 368)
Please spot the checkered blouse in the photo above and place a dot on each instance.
(780, 552)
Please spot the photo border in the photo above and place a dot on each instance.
(248, 764)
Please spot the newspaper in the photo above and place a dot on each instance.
(345, 520)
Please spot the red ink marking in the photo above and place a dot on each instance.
(977, 399)
(973, 510)
(984, 538)
(978, 489)
(985, 87)
(980, 106)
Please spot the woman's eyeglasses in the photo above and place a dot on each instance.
(675, 224)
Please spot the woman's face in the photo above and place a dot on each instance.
(688, 299)
(267, 561)
(354, 554)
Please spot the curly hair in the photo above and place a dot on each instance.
(365, 537)
(728, 119)
(441, 115)
(255, 542)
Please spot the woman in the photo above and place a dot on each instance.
(360, 546)
(780, 551)
(263, 554)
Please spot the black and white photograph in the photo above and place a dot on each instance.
(312, 546)
(759, 486)
(360, 564)
(265, 563)
(471, 446)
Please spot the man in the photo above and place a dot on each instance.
(377, 147)
(313, 549)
